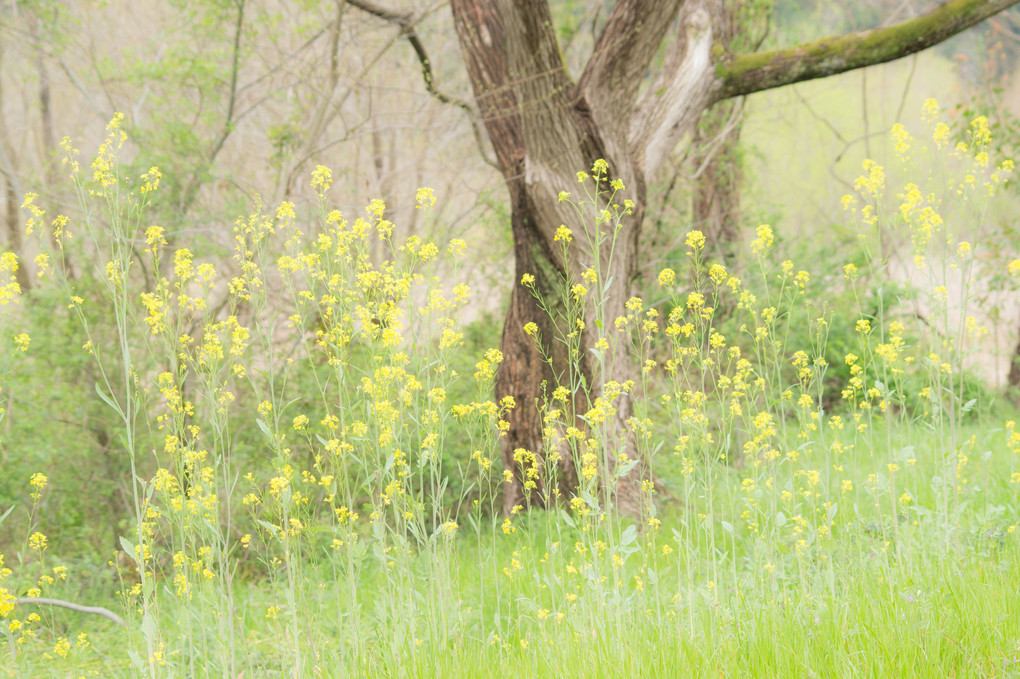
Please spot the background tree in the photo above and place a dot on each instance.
(545, 125)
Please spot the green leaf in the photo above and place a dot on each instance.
(108, 400)
(129, 548)
(566, 519)
(629, 535)
(148, 625)
(625, 468)
(6, 514)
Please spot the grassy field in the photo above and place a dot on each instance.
(815, 483)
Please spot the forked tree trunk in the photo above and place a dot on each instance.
(544, 130)
(545, 127)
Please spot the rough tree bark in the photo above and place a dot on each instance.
(717, 165)
(716, 201)
(545, 126)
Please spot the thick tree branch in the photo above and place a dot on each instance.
(629, 42)
(480, 32)
(522, 90)
(673, 103)
(747, 73)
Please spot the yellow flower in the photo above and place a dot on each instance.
(873, 181)
(425, 198)
(695, 240)
(941, 135)
(456, 247)
(62, 647)
(666, 277)
(154, 237)
(322, 178)
(43, 262)
(150, 180)
(527, 280)
(563, 234)
(285, 212)
(37, 541)
(902, 139)
(764, 240)
(183, 268)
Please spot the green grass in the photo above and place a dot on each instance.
(848, 607)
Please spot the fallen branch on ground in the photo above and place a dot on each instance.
(98, 610)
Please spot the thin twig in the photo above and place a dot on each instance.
(736, 117)
(406, 22)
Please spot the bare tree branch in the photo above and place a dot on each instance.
(97, 610)
(406, 21)
(748, 73)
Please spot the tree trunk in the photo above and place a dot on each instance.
(544, 130)
(716, 209)
(14, 234)
(1013, 376)
(12, 222)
